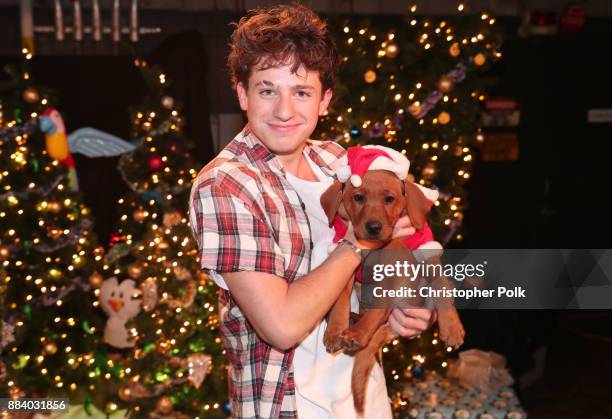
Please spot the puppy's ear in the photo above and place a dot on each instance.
(416, 205)
(331, 201)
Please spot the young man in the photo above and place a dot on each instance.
(256, 215)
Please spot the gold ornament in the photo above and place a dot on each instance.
(445, 84)
(391, 50)
(95, 279)
(480, 59)
(458, 151)
(54, 232)
(163, 245)
(414, 109)
(139, 215)
(370, 76)
(454, 50)
(429, 171)
(172, 218)
(5, 252)
(50, 348)
(444, 118)
(31, 95)
(54, 207)
(125, 393)
(164, 405)
(135, 270)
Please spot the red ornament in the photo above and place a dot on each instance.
(155, 162)
(572, 18)
(115, 238)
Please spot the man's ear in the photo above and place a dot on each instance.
(241, 91)
(417, 205)
(331, 201)
(324, 104)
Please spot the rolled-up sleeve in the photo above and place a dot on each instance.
(231, 233)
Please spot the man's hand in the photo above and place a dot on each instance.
(403, 227)
(410, 322)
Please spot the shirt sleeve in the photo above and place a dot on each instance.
(230, 235)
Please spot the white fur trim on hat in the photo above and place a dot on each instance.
(399, 163)
(343, 170)
(356, 181)
(431, 194)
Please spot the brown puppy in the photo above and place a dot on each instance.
(373, 209)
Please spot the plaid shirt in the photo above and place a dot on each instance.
(245, 216)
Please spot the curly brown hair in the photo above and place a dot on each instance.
(279, 35)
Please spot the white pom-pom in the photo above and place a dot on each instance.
(356, 180)
(343, 173)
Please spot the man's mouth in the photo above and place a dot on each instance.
(283, 127)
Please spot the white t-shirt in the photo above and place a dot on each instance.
(323, 380)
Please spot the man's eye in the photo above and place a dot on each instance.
(389, 199)
(358, 198)
(303, 93)
(266, 92)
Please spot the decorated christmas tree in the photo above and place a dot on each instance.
(174, 365)
(49, 259)
(417, 88)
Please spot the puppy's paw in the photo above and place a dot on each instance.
(451, 328)
(332, 340)
(352, 340)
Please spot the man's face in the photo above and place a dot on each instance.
(283, 107)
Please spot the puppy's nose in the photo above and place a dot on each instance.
(373, 227)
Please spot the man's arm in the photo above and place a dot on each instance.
(283, 314)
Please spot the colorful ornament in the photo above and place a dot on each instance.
(114, 239)
(135, 270)
(172, 218)
(454, 50)
(167, 102)
(149, 294)
(391, 50)
(155, 162)
(355, 132)
(446, 84)
(444, 118)
(5, 252)
(139, 215)
(31, 95)
(370, 76)
(417, 371)
(54, 207)
(479, 59)
(430, 171)
(50, 348)
(95, 279)
(164, 405)
(414, 109)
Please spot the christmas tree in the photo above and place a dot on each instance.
(48, 252)
(417, 88)
(175, 367)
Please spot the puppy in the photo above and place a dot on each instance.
(373, 209)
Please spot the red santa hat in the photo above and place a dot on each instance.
(359, 160)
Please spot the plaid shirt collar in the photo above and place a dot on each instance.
(261, 156)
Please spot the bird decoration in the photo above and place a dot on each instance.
(118, 302)
(88, 141)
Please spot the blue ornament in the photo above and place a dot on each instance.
(227, 408)
(417, 371)
(355, 132)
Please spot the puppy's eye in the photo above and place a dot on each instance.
(359, 198)
(389, 199)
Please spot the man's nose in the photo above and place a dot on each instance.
(285, 108)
